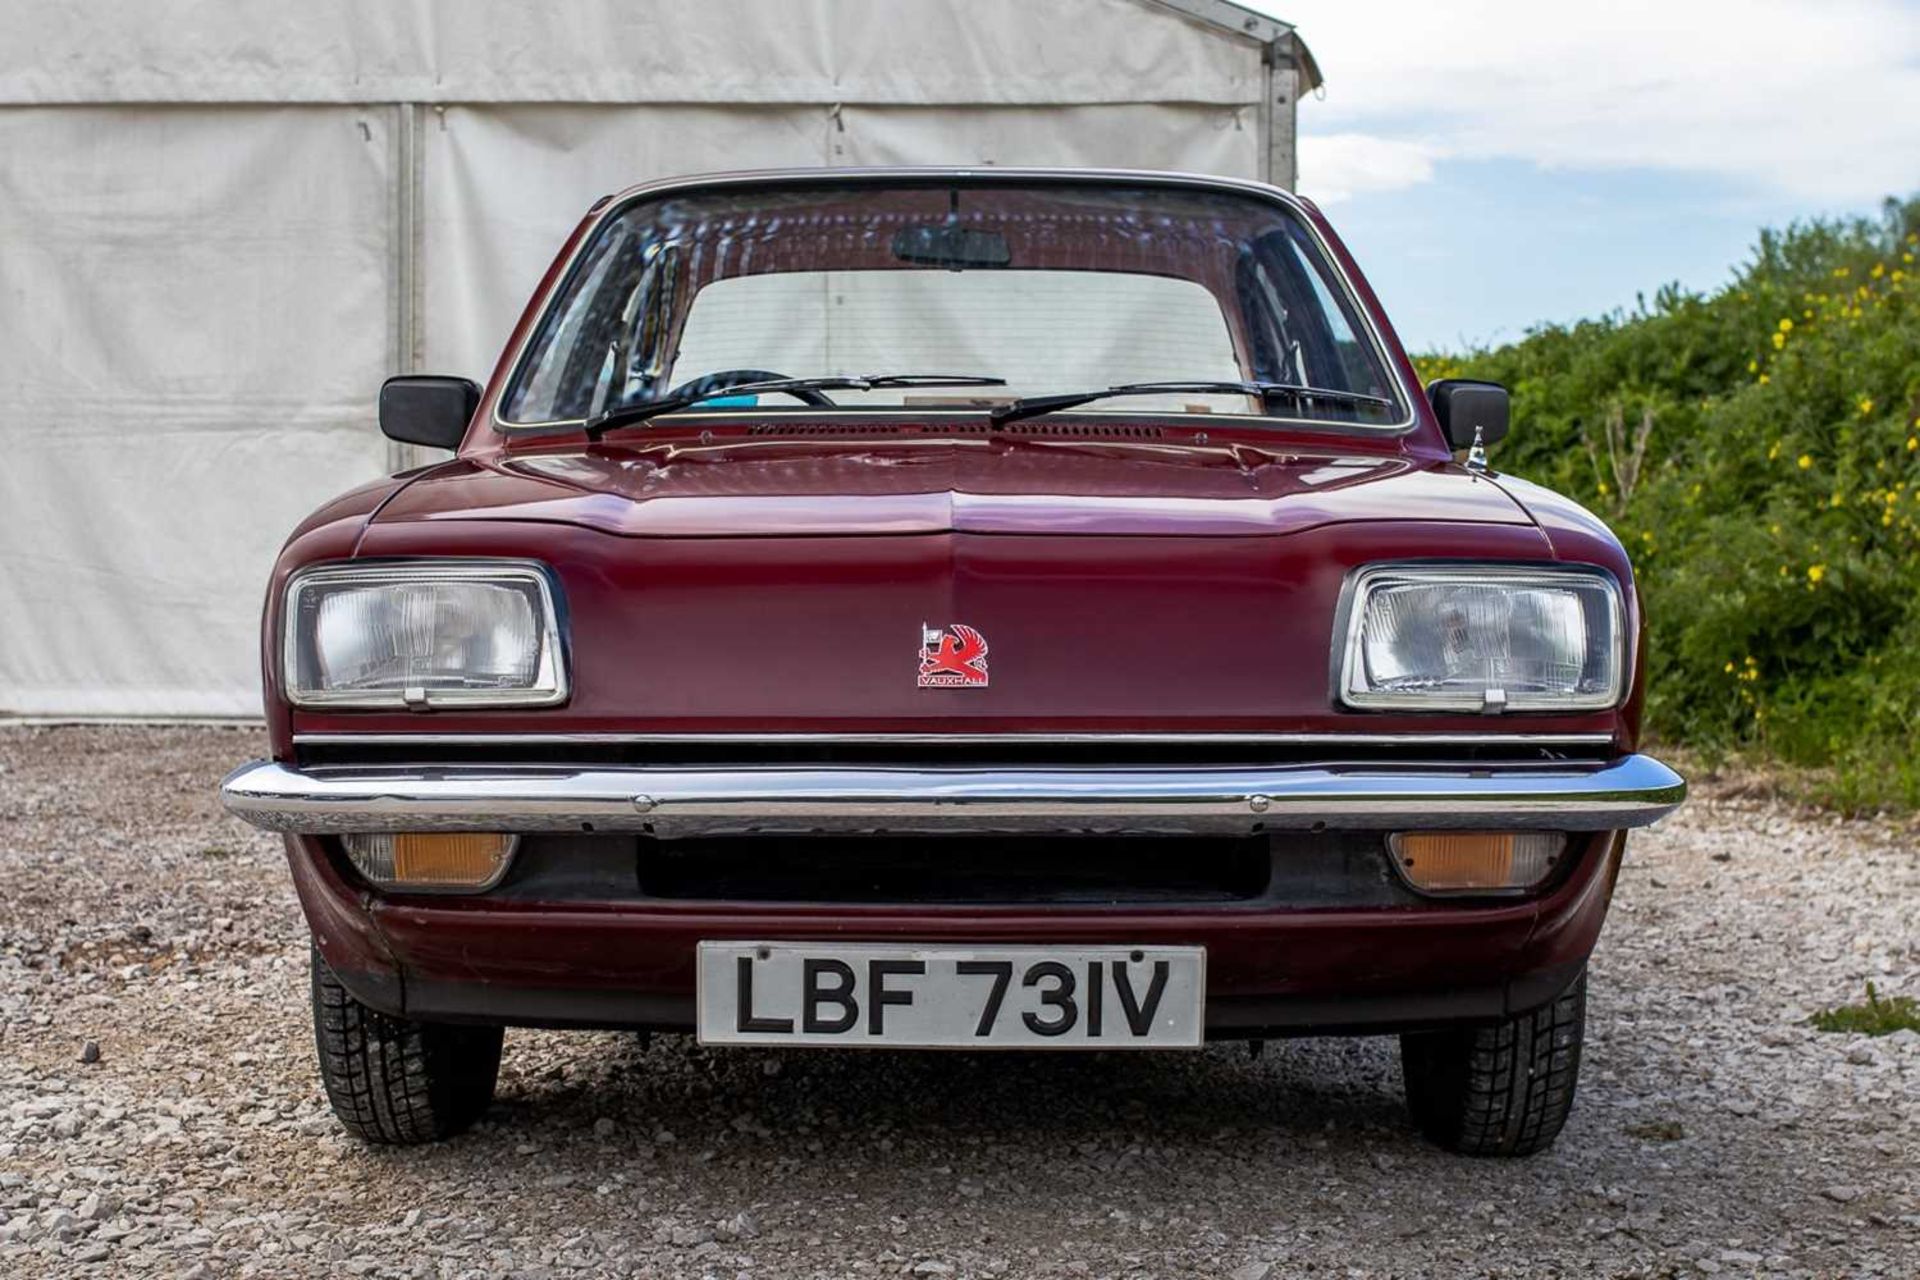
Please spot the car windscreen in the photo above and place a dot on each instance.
(1051, 287)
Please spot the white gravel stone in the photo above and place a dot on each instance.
(137, 915)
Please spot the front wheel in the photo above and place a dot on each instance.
(395, 1081)
(1503, 1090)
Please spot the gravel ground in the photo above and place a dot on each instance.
(1715, 1132)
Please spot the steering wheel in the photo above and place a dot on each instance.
(725, 378)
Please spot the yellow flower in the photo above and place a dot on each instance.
(1866, 405)
(1913, 442)
(1774, 451)
(1753, 366)
(1841, 273)
(1879, 269)
(1786, 325)
(1837, 500)
(1729, 666)
(1779, 341)
(1815, 572)
(1764, 379)
(1806, 461)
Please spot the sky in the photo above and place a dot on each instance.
(1495, 164)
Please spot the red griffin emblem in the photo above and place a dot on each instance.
(953, 658)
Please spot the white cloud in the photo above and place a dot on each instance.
(1341, 165)
(1818, 99)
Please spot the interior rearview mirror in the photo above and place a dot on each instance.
(421, 408)
(951, 245)
(1465, 405)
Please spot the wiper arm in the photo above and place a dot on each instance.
(1034, 406)
(626, 415)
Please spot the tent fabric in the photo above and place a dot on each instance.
(196, 308)
(532, 170)
(222, 225)
(712, 51)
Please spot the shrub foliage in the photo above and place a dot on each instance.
(1757, 449)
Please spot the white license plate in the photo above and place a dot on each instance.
(911, 997)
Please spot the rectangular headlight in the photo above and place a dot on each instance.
(1483, 638)
(423, 633)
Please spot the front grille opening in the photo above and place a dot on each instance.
(1299, 870)
(997, 869)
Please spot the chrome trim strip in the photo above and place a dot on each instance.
(1631, 791)
(879, 174)
(960, 739)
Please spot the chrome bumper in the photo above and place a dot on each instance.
(1631, 791)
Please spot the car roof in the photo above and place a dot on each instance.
(977, 174)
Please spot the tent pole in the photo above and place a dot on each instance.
(1280, 164)
(405, 274)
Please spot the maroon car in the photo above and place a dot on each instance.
(989, 609)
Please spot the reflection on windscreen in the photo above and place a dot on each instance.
(1053, 287)
(1040, 330)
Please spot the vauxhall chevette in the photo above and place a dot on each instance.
(977, 609)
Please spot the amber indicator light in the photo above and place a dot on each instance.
(1475, 861)
(463, 858)
(431, 860)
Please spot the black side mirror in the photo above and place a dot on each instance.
(420, 408)
(1465, 406)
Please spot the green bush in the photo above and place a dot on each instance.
(1757, 449)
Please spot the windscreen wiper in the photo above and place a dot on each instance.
(626, 415)
(1034, 406)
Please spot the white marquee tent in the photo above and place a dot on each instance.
(222, 224)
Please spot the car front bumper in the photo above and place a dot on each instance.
(1631, 791)
(1274, 967)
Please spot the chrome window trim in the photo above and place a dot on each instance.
(1411, 392)
(429, 568)
(1350, 614)
(383, 739)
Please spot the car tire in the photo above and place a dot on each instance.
(1503, 1090)
(394, 1081)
